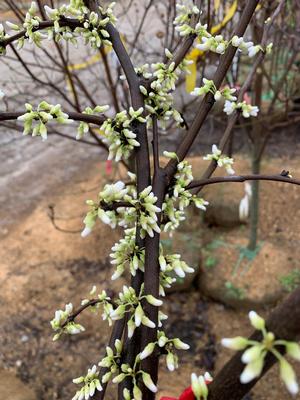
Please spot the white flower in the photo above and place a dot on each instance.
(86, 231)
(148, 382)
(253, 50)
(90, 383)
(236, 41)
(218, 95)
(252, 370)
(256, 321)
(244, 208)
(288, 376)
(171, 362)
(148, 350)
(220, 49)
(237, 343)
(245, 202)
(180, 345)
(152, 300)
(229, 107)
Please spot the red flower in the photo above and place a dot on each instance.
(186, 395)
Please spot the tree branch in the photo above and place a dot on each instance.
(155, 144)
(70, 22)
(90, 119)
(242, 178)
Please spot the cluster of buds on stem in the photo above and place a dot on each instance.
(222, 161)
(119, 133)
(255, 354)
(35, 122)
(61, 323)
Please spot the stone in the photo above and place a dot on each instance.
(225, 215)
(242, 279)
(12, 388)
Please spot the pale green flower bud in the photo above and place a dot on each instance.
(256, 321)
(288, 376)
(148, 382)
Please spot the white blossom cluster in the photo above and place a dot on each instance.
(247, 109)
(246, 47)
(169, 345)
(227, 94)
(111, 360)
(209, 87)
(126, 253)
(127, 371)
(83, 127)
(217, 44)
(171, 266)
(102, 300)
(119, 133)
(90, 383)
(31, 24)
(111, 193)
(179, 197)
(208, 42)
(158, 98)
(92, 26)
(138, 210)
(93, 31)
(129, 302)
(222, 161)
(148, 213)
(61, 323)
(256, 352)
(35, 122)
(182, 21)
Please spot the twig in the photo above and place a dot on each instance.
(155, 144)
(243, 178)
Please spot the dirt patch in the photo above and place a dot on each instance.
(13, 388)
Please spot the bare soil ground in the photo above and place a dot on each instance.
(42, 268)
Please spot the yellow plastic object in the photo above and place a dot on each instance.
(196, 53)
(217, 4)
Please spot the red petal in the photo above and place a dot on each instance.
(187, 394)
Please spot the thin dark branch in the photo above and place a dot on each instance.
(242, 178)
(70, 22)
(155, 144)
(90, 119)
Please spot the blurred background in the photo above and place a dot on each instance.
(241, 262)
